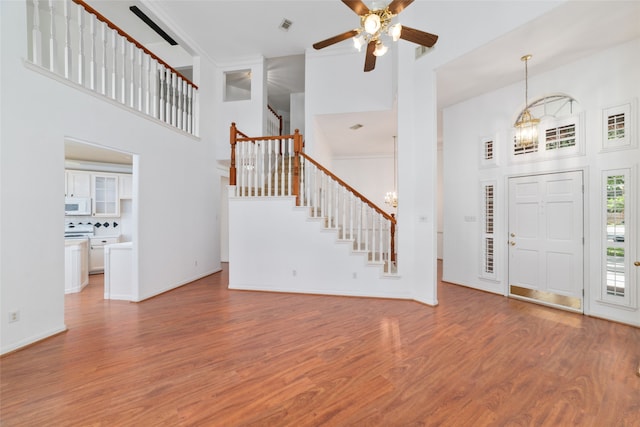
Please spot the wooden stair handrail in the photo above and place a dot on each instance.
(351, 189)
(131, 39)
(278, 116)
(298, 147)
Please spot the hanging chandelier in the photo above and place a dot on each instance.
(527, 125)
(391, 198)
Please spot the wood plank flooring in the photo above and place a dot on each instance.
(202, 355)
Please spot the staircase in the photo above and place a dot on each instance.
(266, 168)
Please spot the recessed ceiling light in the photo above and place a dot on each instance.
(285, 24)
(356, 126)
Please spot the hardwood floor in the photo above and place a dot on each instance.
(203, 355)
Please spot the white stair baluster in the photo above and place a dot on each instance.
(154, 87)
(123, 70)
(36, 35)
(53, 44)
(269, 166)
(161, 95)
(103, 66)
(373, 234)
(190, 108)
(92, 52)
(178, 102)
(140, 79)
(173, 98)
(114, 64)
(146, 77)
(67, 40)
(183, 101)
(81, 59)
(132, 75)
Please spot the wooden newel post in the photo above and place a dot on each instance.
(393, 238)
(297, 149)
(232, 139)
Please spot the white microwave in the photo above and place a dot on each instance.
(77, 206)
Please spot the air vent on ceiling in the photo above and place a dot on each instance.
(285, 24)
(140, 14)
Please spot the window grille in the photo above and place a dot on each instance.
(488, 230)
(488, 149)
(616, 281)
(519, 149)
(615, 126)
(560, 137)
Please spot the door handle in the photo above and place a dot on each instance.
(512, 243)
(512, 235)
(637, 263)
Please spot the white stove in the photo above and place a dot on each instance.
(78, 231)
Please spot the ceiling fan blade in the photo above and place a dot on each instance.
(370, 59)
(335, 39)
(397, 6)
(357, 6)
(418, 37)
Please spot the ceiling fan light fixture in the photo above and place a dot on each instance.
(395, 31)
(381, 49)
(358, 42)
(372, 23)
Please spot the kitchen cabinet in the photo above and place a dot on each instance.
(96, 252)
(77, 184)
(76, 265)
(105, 201)
(125, 181)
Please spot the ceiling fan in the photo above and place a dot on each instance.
(376, 23)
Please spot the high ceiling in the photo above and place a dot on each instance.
(228, 30)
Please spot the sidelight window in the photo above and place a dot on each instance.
(488, 268)
(615, 263)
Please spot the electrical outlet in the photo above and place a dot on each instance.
(294, 273)
(14, 316)
(355, 275)
(196, 263)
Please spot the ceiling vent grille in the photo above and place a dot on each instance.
(285, 24)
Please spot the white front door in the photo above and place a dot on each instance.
(546, 239)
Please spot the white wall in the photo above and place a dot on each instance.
(282, 249)
(607, 79)
(248, 115)
(370, 176)
(174, 170)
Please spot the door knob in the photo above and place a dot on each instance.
(637, 263)
(513, 235)
(512, 243)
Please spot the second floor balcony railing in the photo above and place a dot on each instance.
(77, 43)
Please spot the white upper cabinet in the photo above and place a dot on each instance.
(77, 184)
(126, 186)
(106, 201)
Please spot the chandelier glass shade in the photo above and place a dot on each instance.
(526, 126)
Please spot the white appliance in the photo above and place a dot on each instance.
(77, 206)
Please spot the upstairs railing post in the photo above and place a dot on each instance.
(393, 238)
(233, 135)
(297, 149)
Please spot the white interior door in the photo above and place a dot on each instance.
(546, 239)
